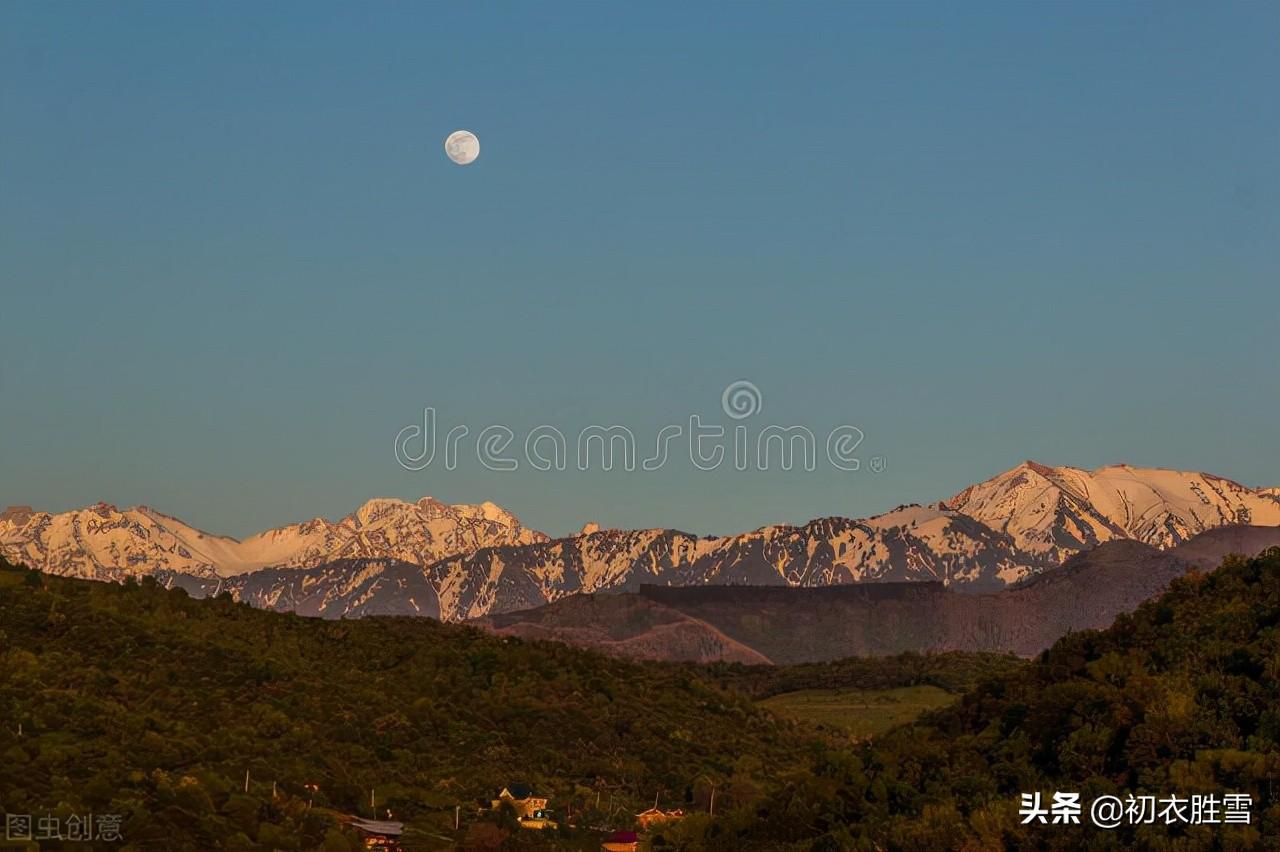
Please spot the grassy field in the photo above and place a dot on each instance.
(863, 712)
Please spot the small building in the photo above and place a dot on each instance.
(657, 816)
(379, 834)
(621, 841)
(522, 800)
(539, 820)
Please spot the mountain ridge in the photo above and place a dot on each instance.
(108, 543)
(799, 625)
(478, 559)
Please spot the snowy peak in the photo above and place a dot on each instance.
(463, 561)
(1057, 511)
(909, 543)
(107, 543)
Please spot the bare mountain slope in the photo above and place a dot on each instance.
(609, 623)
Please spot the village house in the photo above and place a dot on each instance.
(521, 799)
(379, 834)
(539, 820)
(657, 816)
(530, 810)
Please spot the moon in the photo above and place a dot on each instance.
(462, 147)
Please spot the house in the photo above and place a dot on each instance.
(379, 834)
(521, 799)
(621, 841)
(656, 816)
(539, 820)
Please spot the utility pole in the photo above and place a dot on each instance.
(246, 780)
(373, 808)
(457, 816)
(713, 799)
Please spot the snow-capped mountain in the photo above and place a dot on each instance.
(785, 625)
(909, 543)
(394, 557)
(1058, 511)
(345, 588)
(106, 543)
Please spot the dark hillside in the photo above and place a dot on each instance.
(142, 701)
(1181, 697)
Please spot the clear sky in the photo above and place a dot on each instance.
(234, 260)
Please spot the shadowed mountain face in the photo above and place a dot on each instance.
(789, 625)
(346, 588)
(627, 625)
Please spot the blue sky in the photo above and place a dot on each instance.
(234, 260)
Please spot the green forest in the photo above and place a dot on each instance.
(141, 701)
(1181, 697)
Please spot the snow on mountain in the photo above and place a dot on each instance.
(345, 588)
(462, 562)
(1055, 512)
(909, 543)
(106, 543)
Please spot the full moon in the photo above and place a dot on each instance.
(462, 146)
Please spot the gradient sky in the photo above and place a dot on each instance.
(234, 260)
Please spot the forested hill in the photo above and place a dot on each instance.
(141, 701)
(137, 700)
(1181, 697)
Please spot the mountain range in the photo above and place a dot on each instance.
(770, 624)
(105, 543)
(459, 562)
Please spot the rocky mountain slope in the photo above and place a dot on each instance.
(911, 543)
(346, 588)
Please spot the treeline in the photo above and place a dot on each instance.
(136, 700)
(1181, 698)
(140, 701)
(954, 671)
